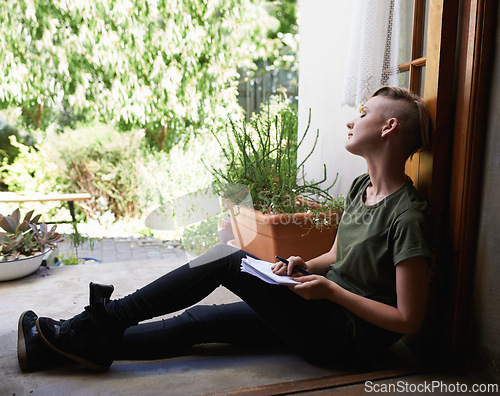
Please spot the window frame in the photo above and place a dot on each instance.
(417, 60)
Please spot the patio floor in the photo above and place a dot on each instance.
(62, 291)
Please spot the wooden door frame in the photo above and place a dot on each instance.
(478, 21)
(456, 93)
(430, 171)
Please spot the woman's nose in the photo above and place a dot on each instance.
(350, 124)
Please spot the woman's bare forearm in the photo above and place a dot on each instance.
(412, 277)
(374, 312)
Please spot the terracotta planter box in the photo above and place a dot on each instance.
(267, 236)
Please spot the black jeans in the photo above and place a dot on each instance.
(318, 330)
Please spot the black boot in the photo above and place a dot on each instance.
(100, 292)
(89, 338)
(32, 353)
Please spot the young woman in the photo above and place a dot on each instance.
(366, 292)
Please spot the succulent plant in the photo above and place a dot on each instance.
(26, 237)
(45, 237)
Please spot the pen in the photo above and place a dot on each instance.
(300, 269)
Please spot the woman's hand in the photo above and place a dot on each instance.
(281, 268)
(412, 279)
(315, 287)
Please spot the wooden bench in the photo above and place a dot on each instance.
(8, 197)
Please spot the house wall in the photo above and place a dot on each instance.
(484, 345)
(325, 27)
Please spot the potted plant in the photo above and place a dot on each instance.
(274, 210)
(24, 244)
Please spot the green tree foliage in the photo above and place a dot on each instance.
(98, 160)
(165, 66)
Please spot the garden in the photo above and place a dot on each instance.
(139, 102)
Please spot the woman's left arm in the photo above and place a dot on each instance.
(412, 283)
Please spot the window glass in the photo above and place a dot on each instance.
(406, 28)
(421, 87)
(404, 79)
(426, 25)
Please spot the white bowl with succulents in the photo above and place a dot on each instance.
(24, 244)
(19, 268)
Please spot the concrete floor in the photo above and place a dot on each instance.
(63, 291)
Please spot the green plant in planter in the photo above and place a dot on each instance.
(261, 158)
(68, 258)
(25, 238)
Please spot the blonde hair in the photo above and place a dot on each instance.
(413, 116)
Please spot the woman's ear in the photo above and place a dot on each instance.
(390, 126)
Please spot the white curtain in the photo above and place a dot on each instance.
(373, 50)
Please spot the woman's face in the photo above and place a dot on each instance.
(365, 132)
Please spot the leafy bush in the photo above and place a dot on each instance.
(101, 161)
(199, 238)
(165, 176)
(33, 169)
(7, 150)
(124, 178)
(10, 129)
(98, 160)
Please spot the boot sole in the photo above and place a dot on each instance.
(91, 365)
(22, 357)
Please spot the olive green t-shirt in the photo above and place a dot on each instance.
(373, 239)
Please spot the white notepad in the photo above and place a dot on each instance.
(262, 270)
